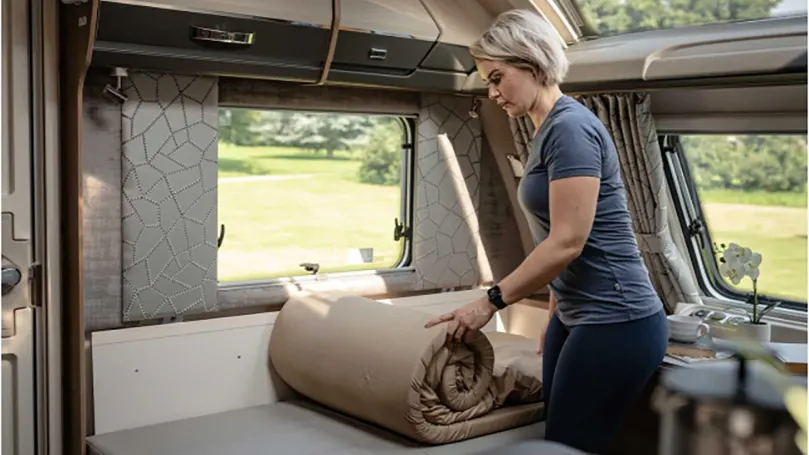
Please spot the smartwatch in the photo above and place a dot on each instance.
(496, 297)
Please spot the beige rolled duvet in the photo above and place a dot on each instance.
(378, 363)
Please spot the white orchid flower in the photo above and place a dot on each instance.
(736, 263)
(732, 254)
(753, 273)
(734, 272)
(751, 265)
(724, 270)
(745, 254)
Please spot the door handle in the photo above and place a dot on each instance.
(11, 278)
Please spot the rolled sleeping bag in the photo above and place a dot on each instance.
(378, 363)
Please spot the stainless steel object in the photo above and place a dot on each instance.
(116, 93)
(728, 316)
(377, 54)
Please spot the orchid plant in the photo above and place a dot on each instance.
(735, 263)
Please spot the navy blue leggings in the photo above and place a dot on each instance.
(592, 374)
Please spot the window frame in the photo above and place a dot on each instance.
(696, 231)
(409, 124)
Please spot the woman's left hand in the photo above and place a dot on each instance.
(465, 320)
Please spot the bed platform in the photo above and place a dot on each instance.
(296, 427)
(206, 388)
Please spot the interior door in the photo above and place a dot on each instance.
(21, 315)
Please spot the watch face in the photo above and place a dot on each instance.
(494, 292)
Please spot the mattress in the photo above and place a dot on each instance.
(296, 427)
(378, 363)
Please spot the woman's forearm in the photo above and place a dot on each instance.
(544, 263)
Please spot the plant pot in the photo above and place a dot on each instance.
(759, 332)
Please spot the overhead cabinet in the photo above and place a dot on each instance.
(157, 37)
(388, 36)
(383, 43)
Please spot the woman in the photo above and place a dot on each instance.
(607, 332)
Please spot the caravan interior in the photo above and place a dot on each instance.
(175, 171)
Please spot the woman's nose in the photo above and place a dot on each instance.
(493, 93)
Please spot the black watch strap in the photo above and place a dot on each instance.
(496, 297)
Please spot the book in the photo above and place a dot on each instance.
(703, 347)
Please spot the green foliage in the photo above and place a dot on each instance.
(750, 163)
(312, 131)
(382, 158)
(235, 126)
(329, 132)
(610, 17)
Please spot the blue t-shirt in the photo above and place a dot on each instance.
(609, 281)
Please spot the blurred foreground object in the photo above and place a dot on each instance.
(749, 405)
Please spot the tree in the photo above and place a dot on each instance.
(769, 163)
(313, 131)
(329, 132)
(236, 126)
(274, 128)
(382, 157)
(621, 16)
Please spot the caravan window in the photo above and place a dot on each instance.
(750, 190)
(614, 17)
(301, 188)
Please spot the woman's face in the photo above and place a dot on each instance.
(513, 89)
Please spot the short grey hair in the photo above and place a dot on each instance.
(524, 39)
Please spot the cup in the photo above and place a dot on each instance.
(686, 329)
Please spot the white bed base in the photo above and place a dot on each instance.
(157, 374)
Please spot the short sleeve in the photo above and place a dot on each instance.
(572, 149)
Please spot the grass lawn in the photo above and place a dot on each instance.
(244, 161)
(272, 226)
(797, 200)
(778, 233)
(321, 213)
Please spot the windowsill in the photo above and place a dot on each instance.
(311, 279)
(778, 316)
(275, 292)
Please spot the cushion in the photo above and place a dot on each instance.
(290, 428)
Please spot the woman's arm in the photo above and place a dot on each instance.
(573, 154)
(572, 210)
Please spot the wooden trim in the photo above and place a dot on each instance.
(799, 369)
(266, 94)
(335, 31)
(77, 33)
